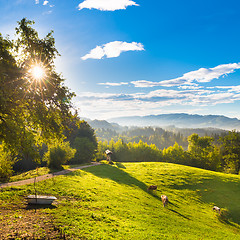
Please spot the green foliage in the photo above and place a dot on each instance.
(82, 138)
(58, 154)
(231, 152)
(157, 136)
(79, 128)
(6, 163)
(122, 151)
(131, 152)
(102, 147)
(175, 154)
(203, 153)
(85, 150)
(31, 110)
(142, 152)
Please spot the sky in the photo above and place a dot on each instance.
(137, 58)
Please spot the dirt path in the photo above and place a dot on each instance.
(44, 177)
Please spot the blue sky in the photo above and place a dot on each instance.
(135, 57)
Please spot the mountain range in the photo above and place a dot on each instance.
(181, 120)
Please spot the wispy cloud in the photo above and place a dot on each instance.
(107, 5)
(194, 86)
(186, 92)
(113, 49)
(45, 3)
(111, 104)
(230, 88)
(201, 75)
(113, 84)
(36, 1)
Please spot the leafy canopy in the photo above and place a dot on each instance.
(33, 108)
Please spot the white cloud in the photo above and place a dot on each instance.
(45, 2)
(201, 75)
(234, 89)
(206, 75)
(144, 83)
(230, 88)
(190, 87)
(190, 94)
(113, 84)
(107, 5)
(113, 49)
(36, 1)
(112, 104)
(96, 53)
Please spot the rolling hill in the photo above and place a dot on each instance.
(112, 202)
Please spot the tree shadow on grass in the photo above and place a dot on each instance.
(219, 191)
(179, 214)
(118, 175)
(120, 165)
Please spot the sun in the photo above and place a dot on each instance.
(37, 72)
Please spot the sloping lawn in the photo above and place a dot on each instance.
(112, 202)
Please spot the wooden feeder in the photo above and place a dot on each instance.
(108, 153)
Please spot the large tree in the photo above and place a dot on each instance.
(231, 151)
(203, 153)
(35, 104)
(82, 138)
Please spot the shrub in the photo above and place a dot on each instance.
(58, 154)
(6, 164)
(85, 150)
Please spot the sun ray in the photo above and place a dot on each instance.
(37, 72)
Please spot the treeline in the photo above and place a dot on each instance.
(157, 136)
(77, 145)
(203, 152)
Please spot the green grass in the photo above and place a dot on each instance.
(111, 202)
(39, 172)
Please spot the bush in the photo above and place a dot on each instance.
(6, 164)
(58, 154)
(85, 150)
(131, 152)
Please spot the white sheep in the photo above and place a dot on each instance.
(217, 209)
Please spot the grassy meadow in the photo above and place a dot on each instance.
(39, 172)
(112, 202)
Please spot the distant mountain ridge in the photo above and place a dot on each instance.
(103, 124)
(181, 120)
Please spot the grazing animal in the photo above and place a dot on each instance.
(164, 200)
(217, 209)
(152, 187)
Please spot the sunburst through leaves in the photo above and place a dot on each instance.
(37, 72)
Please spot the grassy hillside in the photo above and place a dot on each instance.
(111, 202)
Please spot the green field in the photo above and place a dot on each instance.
(112, 202)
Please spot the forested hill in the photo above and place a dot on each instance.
(181, 120)
(162, 138)
(106, 125)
